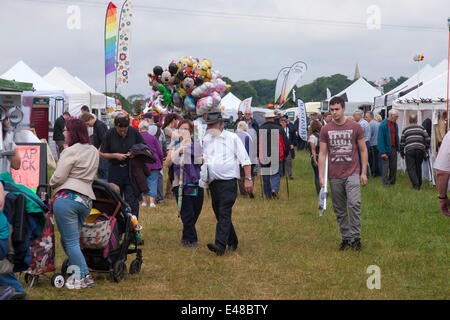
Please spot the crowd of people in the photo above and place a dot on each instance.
(224, 158)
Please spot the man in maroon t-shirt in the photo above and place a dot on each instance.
(341, 139)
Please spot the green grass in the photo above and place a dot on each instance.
(286, 251)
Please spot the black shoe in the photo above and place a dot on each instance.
(232, 247)
(140, 242)
(215, 248)
(356, 244)
(291, 178)
(274, 195)
(344, 245)
(251, 195)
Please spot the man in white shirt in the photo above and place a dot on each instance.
(223, 152)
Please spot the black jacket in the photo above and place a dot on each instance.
(58, 129)
(138, 170)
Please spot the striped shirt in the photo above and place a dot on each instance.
(414, 136)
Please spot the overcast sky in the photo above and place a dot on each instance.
(244, 39)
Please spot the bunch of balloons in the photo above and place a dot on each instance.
(189, 87)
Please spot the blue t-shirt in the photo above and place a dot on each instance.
(4, 224)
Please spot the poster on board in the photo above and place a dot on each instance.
(33, 166)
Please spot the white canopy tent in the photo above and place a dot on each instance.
(58, 97)
(229, 105)
(358, 93)
(432, 98)
(421, 77)
(78, 95)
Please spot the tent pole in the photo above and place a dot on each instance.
(448, 67)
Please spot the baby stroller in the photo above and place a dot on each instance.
(112, 259)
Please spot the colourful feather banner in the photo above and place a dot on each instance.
(110, 38)
(279, 84)
(295, 73)
(123, 52)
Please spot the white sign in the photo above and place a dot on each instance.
(245, 104)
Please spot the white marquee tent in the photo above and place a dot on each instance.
(425, 74)
(229, 105)
(79, 92)
(43, 88)
(358, 93)
(78, 95)
(433, 102)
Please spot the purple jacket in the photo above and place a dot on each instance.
(154, 146)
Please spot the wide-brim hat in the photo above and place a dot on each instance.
(270, 114)
(213, 117)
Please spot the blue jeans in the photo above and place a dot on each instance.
(272, 182)
(152, 182)
(316, 174)
(8, 280)
(70, 216)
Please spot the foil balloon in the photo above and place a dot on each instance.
(190, 106)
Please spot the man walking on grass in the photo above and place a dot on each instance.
(341, 139)
(413, 144)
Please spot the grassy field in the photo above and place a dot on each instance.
(286, 251)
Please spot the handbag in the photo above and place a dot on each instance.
(95, 235)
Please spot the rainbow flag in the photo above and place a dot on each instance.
(110, 38)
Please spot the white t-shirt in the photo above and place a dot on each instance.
(313, 139)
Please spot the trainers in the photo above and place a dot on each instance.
(144, 204)
(356, 244)
(73, 283)
(344, 245)
(152, 205)
(87, 281)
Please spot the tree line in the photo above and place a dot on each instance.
(262, 91)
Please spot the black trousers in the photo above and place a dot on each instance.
(373, 161)
(414, 159)
(121, 177)
(223, 196)
(191, 207)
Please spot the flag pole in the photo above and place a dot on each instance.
(117, 50)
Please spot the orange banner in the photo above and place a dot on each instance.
(28, 174)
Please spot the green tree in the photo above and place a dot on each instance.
(126, 105)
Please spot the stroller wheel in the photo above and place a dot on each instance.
(31, 279)
(65, 266)
(119, 270)
(135, 266)
(58, 280)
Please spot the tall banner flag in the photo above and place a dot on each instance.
(302, 124)
(295, 73)
(328, 94)
(110, 39)
(280, 82)
(123, 50)
(245, 104)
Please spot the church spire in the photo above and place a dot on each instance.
(357, 75)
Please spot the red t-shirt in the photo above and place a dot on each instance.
(342, 142)
(391, 126)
